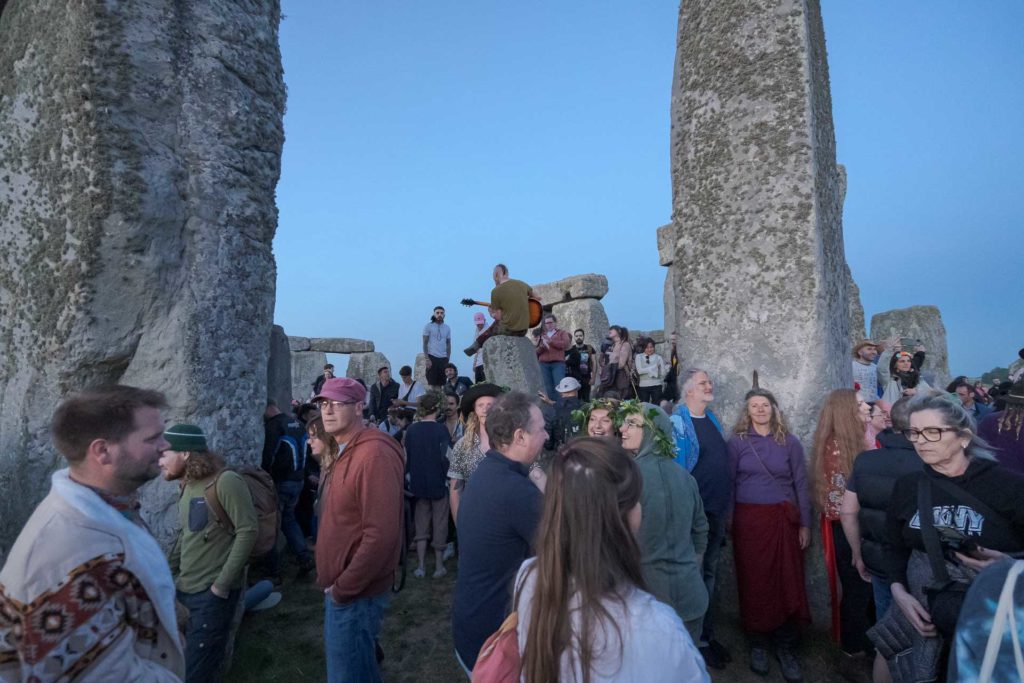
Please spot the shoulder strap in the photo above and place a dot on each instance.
(757, 455)
(930, 537)
(1004, 613)
(960, 494)
(213, 503)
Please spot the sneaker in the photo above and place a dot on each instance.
(449, 552)
(789, 665)
(440, 572)
(720, 651)
(759, 661)
(710, 658)
(270, 601)
(419, 573)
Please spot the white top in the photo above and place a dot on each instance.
(410, 393)
(655, 647)
(652, 369)
(867, 377)
(438, 335)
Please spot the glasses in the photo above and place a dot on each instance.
(928, 433)
(324, 404)
(635, 424)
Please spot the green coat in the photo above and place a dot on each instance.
(673, 530)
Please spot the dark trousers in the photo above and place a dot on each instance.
(855, 608)
(478, 374)
(650, 394)
(206, 633)
(716, 535)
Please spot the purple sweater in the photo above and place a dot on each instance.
(788, 478)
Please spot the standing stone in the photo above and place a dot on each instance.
(585, 314)
(306, 367)
(589, 286)
(759, 256)
(279, 368)
(364, 366)
(918, 322)
(856, 309)
(139, 155)
(419, 370)
(512, 362)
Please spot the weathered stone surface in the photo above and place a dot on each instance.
(670, 300)
(585, 314)
(306, 367)
(298, 343)
(759, 259)
(590, 286)
(855, 311)
(667, 235)
(918, 322)
(139, 154)
(419, 370)
(279, 368)
(340, 345)
(364, 366)
(512, 362)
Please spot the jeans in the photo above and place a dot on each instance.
(716, 534)
(552, 373)
(206, 633)
(257, 593)
(883, 596)
(350, 639)
(287, 498)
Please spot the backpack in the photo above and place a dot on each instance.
(264, 499)
(289, 457)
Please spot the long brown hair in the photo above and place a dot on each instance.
(584, 548)
(315, 428)
(840, 422)
(777, 425)
(202, 464)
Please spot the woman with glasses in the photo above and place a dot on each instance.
(838, 439)
(945, 523)
(583, 612)
(674, 530)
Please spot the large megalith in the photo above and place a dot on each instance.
(512, 362)
(759, 253)
(923, 323)
(279, 369)
(576, 302)
(306, 367)
(365, 365)
(139, 155)
(855, 310)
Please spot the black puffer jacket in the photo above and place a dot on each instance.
(873, 478)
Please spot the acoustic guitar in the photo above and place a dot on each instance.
(536, 315)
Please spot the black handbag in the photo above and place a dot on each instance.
(945, 596)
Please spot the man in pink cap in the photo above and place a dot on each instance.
(359, 541)
(478, 359)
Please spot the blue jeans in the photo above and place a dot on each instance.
(552, 373)
(883, 596)
(350, 639)
(716, 534)
(206, 633)
(287, 497)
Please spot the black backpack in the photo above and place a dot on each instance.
(289, 460)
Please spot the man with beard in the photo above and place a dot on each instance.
(207, 560)
(579, 363)
(382, 394)
(360, 536)
(437, 346)
(865, 368)
(85, 551)
(454, 383)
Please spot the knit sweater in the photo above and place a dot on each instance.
(359, 539)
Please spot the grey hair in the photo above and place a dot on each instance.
(689, 376)
(899, 413)
(953, 414)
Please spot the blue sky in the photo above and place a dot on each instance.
(427, 141)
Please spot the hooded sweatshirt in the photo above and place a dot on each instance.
(673, 528)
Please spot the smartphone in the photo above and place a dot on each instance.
(909, 344)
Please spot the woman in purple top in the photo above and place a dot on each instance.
(770, 528)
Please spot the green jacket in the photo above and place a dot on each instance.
(673, 530)
(205, 554)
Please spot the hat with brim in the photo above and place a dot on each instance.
(344, 389)
(475, 392)
(862, 344)
(567, 384)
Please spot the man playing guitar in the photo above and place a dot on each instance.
(510, 306)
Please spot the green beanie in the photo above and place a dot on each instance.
(186, 438)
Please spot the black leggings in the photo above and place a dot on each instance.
(650, 394)
(857, 605)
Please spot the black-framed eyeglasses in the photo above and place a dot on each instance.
(931, 434)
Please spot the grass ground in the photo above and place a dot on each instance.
(286, 643)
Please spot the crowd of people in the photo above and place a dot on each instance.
(586, 524)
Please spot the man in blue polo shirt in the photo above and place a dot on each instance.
(498, 515)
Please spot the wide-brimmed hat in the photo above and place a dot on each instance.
(863, 343)
(478, 391)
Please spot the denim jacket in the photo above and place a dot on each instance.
(685, 435)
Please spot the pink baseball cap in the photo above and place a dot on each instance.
(341, 389)
(479, 318)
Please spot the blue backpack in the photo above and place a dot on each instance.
(289, 462)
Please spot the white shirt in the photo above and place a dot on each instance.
(438, 335)
(655, 645)
(410, 392)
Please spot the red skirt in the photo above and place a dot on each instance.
(769, 566)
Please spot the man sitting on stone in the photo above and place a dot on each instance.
(437, 347)
(409, 390)
(382, 394)
(510, 306)
(454, 384)
(208, 561)
(86, 588)
(580, 360)
(323, 377)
